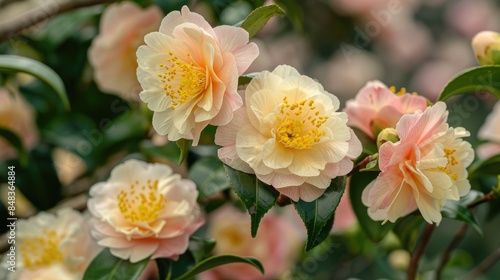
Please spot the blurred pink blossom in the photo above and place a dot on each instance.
(276, 245)
(470, 17)
(490, 131)
(112, 53)
(17, 116)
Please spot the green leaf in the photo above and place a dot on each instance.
(209, 175)
(371, 166)
(455, 210)
(489, 167)
(215, 261)
(17, 143)
(318, 215)
(41, 71)
(293, 12)
(169, 151)
(247, 78)
(164, 268)
(257, 197)
(200, 247)
(483, 78)
(108, 267)
(183, 145)
(374, 230)
(407, 230)
(259, 17)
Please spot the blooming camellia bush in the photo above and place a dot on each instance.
(172, 140)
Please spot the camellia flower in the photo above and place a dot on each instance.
(289, 134)
(422, 170)
(490, 131)
(143, 210)
(276, 245)
(377, 107)
(59, 246)
(17, 116)
(189, 73)
(112, 53)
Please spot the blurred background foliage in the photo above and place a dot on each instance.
(341, 43)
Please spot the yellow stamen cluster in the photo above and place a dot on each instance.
(401, 92)
(451, 161)
(141, 203)
(299, 124)
(181, 80)
(41, 251)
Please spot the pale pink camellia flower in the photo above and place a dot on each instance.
(490, 131)
(112, 53)
(376, 107)
(52, 246)
(17, 116)
(289, 134)
(189, 73)
(276, 246)
(422, 170)
(144, 210)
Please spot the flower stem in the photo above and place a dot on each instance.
(417, 254)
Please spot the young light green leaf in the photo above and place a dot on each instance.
(209, 175)
(17, 143)
(374, 230)
(254, 22)
(183, 145)
(14, 63)
(483, 78)
(247, 78)
(108, 267)
(215, 261)
(318, 215)
(257, 197)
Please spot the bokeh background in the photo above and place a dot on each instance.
(416, 44)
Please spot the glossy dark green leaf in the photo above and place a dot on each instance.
(14, 63)
(17, 143)
(164, 268)
(374, 230)
(209, 175)
(200, 247)
(216, 261)
(259, 17)
(455, 210)
(257, 197)
(183, 145)
(483, 78)
(247, 78)
(489, 167)
(181, 266)
(407, 229)
(108, 267)
(318, 215)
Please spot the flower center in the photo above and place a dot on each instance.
(41, 251)
(181, 80)
(141, 203)
(299, 124)
(448, 153)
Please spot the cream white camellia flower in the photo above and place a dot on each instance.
(189, 73)
(289, 134)
(59, 246)
(144, 210)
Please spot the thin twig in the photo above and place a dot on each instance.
(447, 253)
(26, 21)
(361, 165)
(483, 266)
(4, 3)
(486, 198)
(415, 257)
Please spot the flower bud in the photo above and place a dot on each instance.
(388, 134)
(486, 45)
